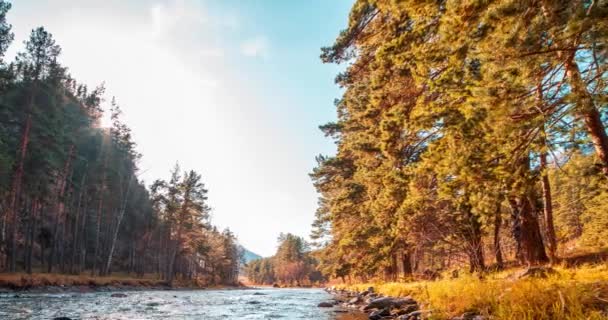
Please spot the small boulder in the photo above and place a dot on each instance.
(388, 302)
(325, 305)
(355, 300)
(118, 295)
(406, 309)
(379, 314)
(411, 316)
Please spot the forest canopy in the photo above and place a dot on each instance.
(469, 132)
(71, 197)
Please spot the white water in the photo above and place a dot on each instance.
(207, 304)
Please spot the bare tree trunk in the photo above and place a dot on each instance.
(120, 216)
(526, 231)
(475, 245)
(75, 239)
(97, 231)
(497, 226)
(99, 214)
(60, 206)
(28, 230)
(548, 207)
(83, 241)
(15, 194)
(406, 260)
(173, 258)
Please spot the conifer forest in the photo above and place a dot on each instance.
(461, 171)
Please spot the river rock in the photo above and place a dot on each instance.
(388, 302)
(62, 318)
(325, 305)
(403, 310)
(118, 295)
(379, 314)
(411, 316)
(355, 300)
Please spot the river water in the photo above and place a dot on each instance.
(263, 303)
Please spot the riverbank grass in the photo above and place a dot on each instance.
(18, 281)
(569, 293)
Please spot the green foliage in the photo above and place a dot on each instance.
(70, 195)
(293, 264)
(449, 113)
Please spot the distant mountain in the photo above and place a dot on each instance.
(249, 256)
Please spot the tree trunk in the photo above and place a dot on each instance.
(102, 186)
(83, 241)
(406, 261)
(526, 231)
(497, 226)
(548, 208)
(585, 107)
(475, 246)
(173, 258)
(588, 112)
(28, 243)
(15, 194)
(60, 207)
(120, 217)
(97, 231)
(77, 222)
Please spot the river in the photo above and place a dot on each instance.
(263, 303)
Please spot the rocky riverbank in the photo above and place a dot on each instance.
(377, 306)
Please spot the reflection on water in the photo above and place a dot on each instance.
(213, 304)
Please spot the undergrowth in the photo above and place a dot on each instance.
(570, 293)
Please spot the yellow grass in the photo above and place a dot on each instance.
(572, 293)
(22, 280)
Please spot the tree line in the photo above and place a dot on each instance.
(469, 132)
(71, 199)
(292, 265)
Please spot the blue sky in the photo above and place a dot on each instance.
(232, 89)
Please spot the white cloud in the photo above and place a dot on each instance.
(168, 17)
(255, 47)
(211, 52)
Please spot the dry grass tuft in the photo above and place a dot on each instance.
(36, 280)
(571, 293)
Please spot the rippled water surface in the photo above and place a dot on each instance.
(212, 304)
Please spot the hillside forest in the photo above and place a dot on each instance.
(292, 265)
(71, 197)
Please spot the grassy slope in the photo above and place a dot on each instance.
(572, 293)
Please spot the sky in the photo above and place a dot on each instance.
(233, 89)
